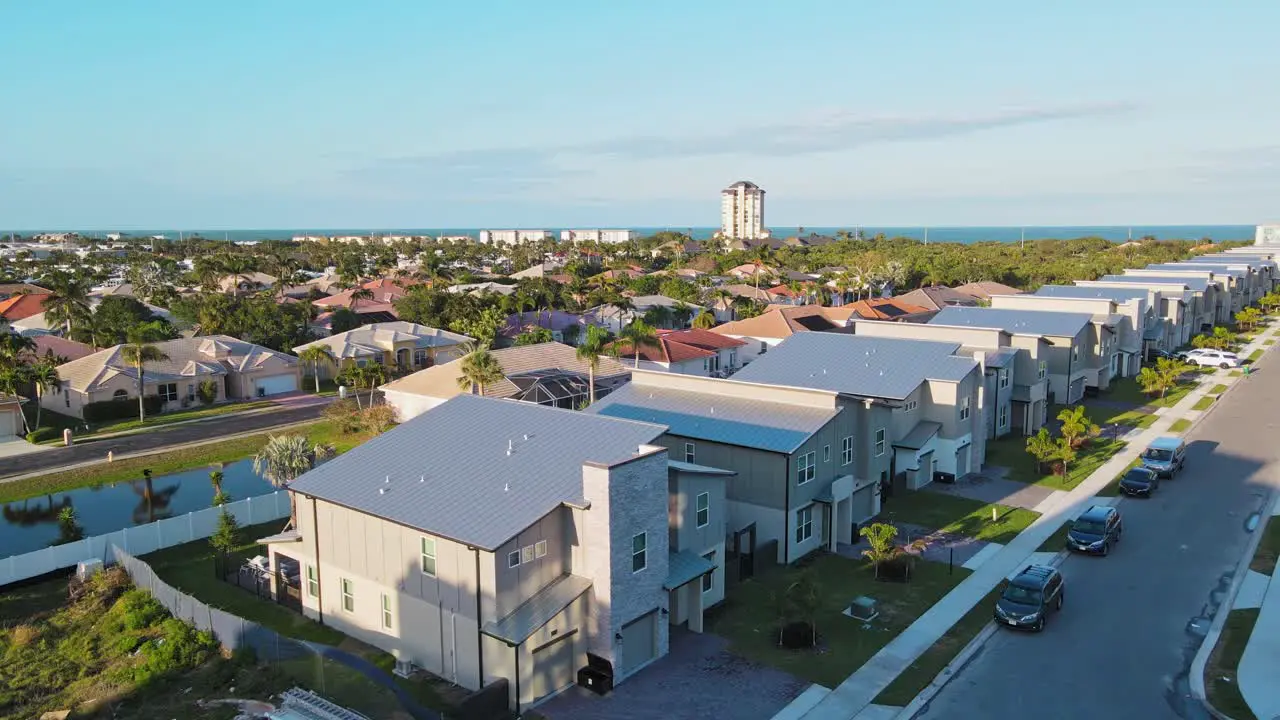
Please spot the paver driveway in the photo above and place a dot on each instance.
(699, 679)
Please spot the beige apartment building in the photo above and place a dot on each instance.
(742, 212)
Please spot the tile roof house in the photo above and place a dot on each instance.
(613, 318)
(936, 297)
(401, 345)
(781, 322)
(984, 289)
(250, 282)
(687, 352)
(546, 374)
(565, 327)
(61, 347)
(22, 306)
(8, 290)
(750, 271)
(554, 535)
(239, 370)
(894, 309)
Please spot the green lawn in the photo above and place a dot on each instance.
(328, 388)
(912, 681)
(58, 422)
(1220, 673)
(1253, 356)
(1264, 558)
(1056, 541)
(1268, 343)
(1204, 403)
(749, 620)
(959, 515)
(1011, 452)
(1128, 390)
(1217, 389)
(1180, 425)
(1235, 373)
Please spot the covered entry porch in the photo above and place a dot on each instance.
(689, 583)
(849, 502)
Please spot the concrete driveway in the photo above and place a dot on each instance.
(990, 486)
(698, 679)
(13, 447)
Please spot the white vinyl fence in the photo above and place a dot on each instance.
(142, 539)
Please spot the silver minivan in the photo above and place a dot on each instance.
(1165, 456)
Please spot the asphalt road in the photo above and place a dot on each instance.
(1123, 644)
(156, 439)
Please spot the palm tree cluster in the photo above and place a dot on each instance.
(21, 367)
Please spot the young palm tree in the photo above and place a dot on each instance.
(374, 375)
(138, 352)
(313, 356)
(639, 334)
(592, 347)
(479, 368)
(705, 320)
(67, 301)
(285, 457)
(43, 374)
(11, 376)
(356, 376)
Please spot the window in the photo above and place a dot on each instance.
(964, 408)
(804, 524)
(806, 468)
(1004, 378)
(1075, 352)
(910, 405)
(429, 556)
(66, 393)
(313, 582)
(880, 443)
(120, 395)
(191, 391)
(826, 453)
(689, 452)
(540, 549)
(1002, 417)
(709, 580)
(1044, 369)
(513, 559)
(846, 450)
(168, 392)
(702, 509)
(348, 596)
(386, 611)
(639, 552)
(526, 554)
(420, 358)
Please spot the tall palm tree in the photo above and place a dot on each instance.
(637, 335)
(138, 352)
(723, 296)
(43, 374)
(285, 457)
(479, 368)
(315, 355)
(238, 267)
(11, 376)
(14, 347)
(704, 320)
(592, 347)
(374, 374)
(67, 301)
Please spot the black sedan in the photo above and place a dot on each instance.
(1139, 481)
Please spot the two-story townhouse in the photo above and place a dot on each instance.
(1015, 387)
(793, 451)
(1251, 276)
(1210, 298)
(492, 539)
(931, 390)
(1173, 297)
(1070, 363)
(1117, 341)
(1264, 262)
(1145, 329)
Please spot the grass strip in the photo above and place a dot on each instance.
(1220, 682)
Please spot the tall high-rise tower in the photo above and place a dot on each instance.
(742, 211)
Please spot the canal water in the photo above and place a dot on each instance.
(32, 524)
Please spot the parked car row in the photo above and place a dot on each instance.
(1207, 357)
(1039, 590)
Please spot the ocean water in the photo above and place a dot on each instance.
(1117, 233)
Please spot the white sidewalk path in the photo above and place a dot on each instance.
(853, 698)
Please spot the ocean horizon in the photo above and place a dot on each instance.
(947, 234)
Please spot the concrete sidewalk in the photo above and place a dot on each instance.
(1256, 674)
(853, 697)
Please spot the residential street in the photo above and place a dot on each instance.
(158, 438)
(1123, 644)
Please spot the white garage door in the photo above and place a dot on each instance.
(276, 384)
(639, 642)
(552, 667)
(9, 424)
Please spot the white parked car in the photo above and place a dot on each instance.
(1214, 358)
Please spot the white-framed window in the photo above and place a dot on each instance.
(690, 452)
(540, 549)
(806, 468)
(804, 524)
(386, 611)
(348, 596)
(313, 581)
(846, 450)
(513, 559)
(1004, 378)
(910, 405)
(1042, 370)
(826, 453)
(526, 554)
(639, 552)
(702, 509)
(964, 408)
(429, 556)
(168, 392)
(880, 441)
(117, 395)
(709, 580)
(1075, 352)
(420, 358)
(1002, 417)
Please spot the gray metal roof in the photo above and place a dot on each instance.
(858, 364)
(920, 435)
(745, 422)
(538, 610)
(684, 567)
(1018, 322)
(451, 474)
(1215, 268)
(1118, 294)
(1195, 284)
(696, 469)
(1001, 358)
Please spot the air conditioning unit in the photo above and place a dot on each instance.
(87, 569)
(403, 669)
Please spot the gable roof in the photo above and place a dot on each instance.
(8, 289)
(483, 495)
(384, 292)
(1017, 322)
(936, 297)
(745, 422)
(192, 357)
(857, 364)
(984, 289)
(61, 347)
(785, 320)
(374, 338)
(441, 381)
(675, 346)
(22, 306)
(884, 308)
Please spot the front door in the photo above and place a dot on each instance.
(744, 546)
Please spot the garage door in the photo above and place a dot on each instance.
(962, 461)
(552, 667)
(276, 384)
(8, 424)
(639, 642)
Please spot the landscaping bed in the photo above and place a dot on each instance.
(1204, 403)
(1012, 453)
(1180, 425)
(1220, 681)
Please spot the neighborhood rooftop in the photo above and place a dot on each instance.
(187, 358)
(1193, 283)
(1217, 269)
(1118, 294)
(476, 470)
(857, 365)
(1018, 322)
(374, 339)
(759, 424)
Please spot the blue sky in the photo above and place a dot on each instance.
(290, 114)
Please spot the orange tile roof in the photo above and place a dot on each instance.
(884, 309)
(22, 306)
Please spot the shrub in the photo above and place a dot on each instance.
(182, 647)
(42, 434)
(120, 409)
(378, 418)
(140, 610)
(207, 391)
(345, 415)
(23, 635)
